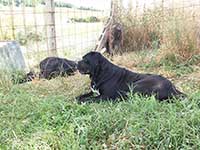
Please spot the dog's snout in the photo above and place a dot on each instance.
(76, 67)
(80, 63)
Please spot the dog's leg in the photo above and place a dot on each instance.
(83, 98)
(98, 99)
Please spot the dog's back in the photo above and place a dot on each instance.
(51, 67)
(145, 84)
(149, 84)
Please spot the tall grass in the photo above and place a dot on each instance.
(5, 81)
(8, 78)
(172, 31)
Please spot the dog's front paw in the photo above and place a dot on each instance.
(80, 100)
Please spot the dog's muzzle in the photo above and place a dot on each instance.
(82, 68)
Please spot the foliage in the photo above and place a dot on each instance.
(28, 3)
(88, 8)
(62, 4)
(87, 20)
(171, 31)
(29, 37)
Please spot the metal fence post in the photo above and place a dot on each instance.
(51, 28)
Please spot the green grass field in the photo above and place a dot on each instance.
(44, 114)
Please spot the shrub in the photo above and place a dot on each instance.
(29, 37)
(62, 4)
(86, 20)
(170, 31)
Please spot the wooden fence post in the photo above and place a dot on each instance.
(12, 5)
(51, 28)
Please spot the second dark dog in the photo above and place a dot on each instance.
(52, 67)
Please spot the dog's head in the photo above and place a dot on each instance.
(91, 63)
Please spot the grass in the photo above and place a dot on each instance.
(31, 120)
(44, 115)
(172, 31)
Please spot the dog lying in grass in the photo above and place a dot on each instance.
(112, 81)
(52, 67)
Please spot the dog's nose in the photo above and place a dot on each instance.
(78, 64)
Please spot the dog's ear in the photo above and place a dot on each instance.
(96, 66)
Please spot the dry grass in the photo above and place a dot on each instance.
(173, 32)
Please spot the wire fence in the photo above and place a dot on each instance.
(52, 27)
(139, 8)
(171, 25)
(56, 28)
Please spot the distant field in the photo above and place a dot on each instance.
(73, 39)
(34, 19)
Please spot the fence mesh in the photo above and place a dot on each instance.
(78, 24)
(172, 26)
(68, 28)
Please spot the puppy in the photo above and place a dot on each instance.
(112, 81)
(52, 67)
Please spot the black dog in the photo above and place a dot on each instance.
(52, 67)
(113, 81)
